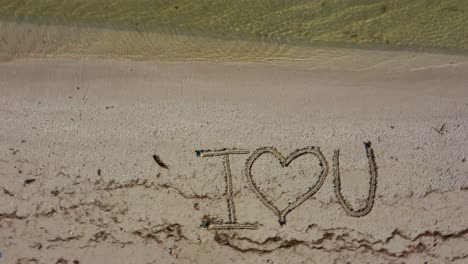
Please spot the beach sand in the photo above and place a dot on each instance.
(98, 160)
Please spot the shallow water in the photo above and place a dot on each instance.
(382, 24)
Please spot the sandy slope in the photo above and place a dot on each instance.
(79, 183)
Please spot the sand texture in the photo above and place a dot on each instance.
(350, 161)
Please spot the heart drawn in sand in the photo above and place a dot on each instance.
(285, 161)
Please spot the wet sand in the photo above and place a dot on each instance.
(99, 163)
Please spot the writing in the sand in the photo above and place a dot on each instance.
(281, 213)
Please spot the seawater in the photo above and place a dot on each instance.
(149, 28)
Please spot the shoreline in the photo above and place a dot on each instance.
(56, 41)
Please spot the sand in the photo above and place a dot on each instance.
(99, 164)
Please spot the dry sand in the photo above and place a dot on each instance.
(80, 182)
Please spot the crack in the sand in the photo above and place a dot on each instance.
(341, 240)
